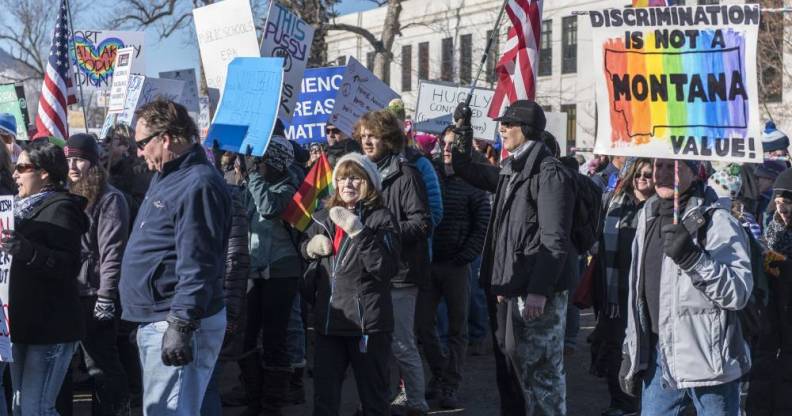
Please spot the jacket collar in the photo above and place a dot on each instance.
(704, 196)
(193, 156)
(390, 166)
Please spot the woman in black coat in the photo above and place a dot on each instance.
(353, 245)
(44, 304)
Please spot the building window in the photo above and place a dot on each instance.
(370, 60)
(492, 57)
(703, 2)
(547, 108)
(546, 49)
(447, 60)
(571, 111)
(569, 45)
(423, 60)
(406, 81)
(341, 61)
(465, 59)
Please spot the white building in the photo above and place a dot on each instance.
(444, 40)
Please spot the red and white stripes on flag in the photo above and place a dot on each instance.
(57, 91)
(518, 66)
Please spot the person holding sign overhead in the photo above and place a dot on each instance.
(44, 302)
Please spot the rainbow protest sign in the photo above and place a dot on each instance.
(678, 82)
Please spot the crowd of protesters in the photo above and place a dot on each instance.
(158, 261)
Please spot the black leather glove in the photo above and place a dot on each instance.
(678, 245)
(104, 309)
(177, 342)
(17, 245)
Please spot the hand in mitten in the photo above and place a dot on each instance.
(104, 309)
(177, 342)
(348, 221)
(678, 245)
(17, 245)
(319, 246)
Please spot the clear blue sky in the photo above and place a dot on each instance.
(180, 52)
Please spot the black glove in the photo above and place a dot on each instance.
(104, 309)
(631, 386)
(177, 342)
(17, 245)
(678, 245)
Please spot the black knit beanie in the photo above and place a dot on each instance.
(783, 185)
(84, 146)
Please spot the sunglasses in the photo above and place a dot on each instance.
(25, 167)
(332, 131)
(143, 143)
(645, 175)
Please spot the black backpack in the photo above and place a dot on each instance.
(755, 311)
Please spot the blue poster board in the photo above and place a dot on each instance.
(315, 104)
(249, 106)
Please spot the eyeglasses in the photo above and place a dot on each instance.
(143, 143)
(25, 167)
(645, 175)
(355, 180)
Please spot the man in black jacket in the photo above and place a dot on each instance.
(457, 241)
(382, 140)
(524, 262)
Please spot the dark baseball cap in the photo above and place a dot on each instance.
(525, 112)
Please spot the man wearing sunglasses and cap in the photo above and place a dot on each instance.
(528, 257)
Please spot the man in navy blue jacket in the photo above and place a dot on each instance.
(173, 264)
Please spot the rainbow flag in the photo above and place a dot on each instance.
(317, 185)
(648, 3)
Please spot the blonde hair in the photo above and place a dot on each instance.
(369, 195)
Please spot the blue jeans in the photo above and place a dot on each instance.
(478, 318)
(295, 335)
(170, 390)
(212, 406)
(37, 374)
(660, 400)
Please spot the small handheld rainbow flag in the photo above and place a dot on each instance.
(648, 3)
(317, 185)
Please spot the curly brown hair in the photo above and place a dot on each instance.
(169, 117)
(370, 197)
(92, 185)
(383, 124)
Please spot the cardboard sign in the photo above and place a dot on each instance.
(678, 82)
(6, 223)
(143, 90)
(189, 97)
(93, 55)
(9, 103)
(225, 31)
(247, 112)
(315, 104)
(437, 101)
(360, 93)
(288, 37)
(121, 73)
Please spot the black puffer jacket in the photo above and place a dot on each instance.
(460, 235)
(404, 193)
(44, 302)
(352, 288)
(528, 240)
(237, 268)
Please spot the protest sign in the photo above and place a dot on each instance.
(557, 126)
(361, 92)
(203, 116)
(143, 90)
(6, 223)
(189, 98)
(249, 107)
(9, 103)
(23, 106)
(315, 104)
(121, 73)
(225, 31)
(93, 55)
(288, 37)
(678, 82)
(436, 104)
(109, 121)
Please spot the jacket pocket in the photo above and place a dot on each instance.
(159, 289)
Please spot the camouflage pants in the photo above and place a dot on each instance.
(536, 350)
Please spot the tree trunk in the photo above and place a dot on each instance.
(391, 28)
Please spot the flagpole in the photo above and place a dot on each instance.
(71, 45)
(493, 35)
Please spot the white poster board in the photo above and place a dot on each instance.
(289, 37)
(6, 223)
(437, 101)
(93, 55)
(360, 93)
(557, 126)
(225, 31)
(189, 97)
(121, 72)
(143, 90)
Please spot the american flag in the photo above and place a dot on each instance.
(517, 67)
(57, 91)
